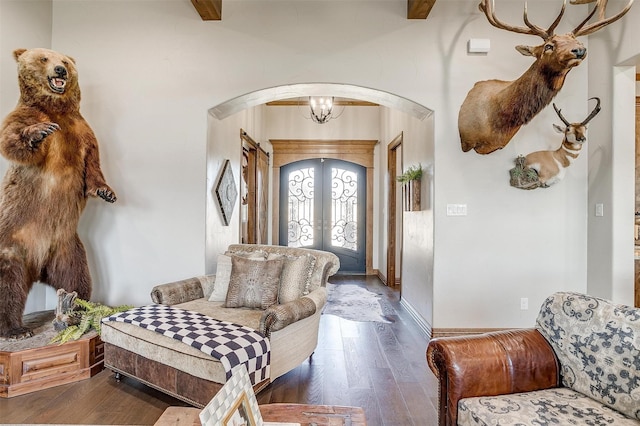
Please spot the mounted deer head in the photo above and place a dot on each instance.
(494, 110)
(551, 165)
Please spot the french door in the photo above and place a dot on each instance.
(323, 206)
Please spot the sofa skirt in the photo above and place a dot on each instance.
(176, 383)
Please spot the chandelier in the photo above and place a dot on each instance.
(321, 108)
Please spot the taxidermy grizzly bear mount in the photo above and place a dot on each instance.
(54, 167)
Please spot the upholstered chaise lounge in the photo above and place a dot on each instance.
(189, 374)
(580, 365)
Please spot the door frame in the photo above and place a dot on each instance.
(637, 192)
(392, 208)
(358, 151)
(254, 182)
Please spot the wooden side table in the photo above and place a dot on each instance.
(305, 414)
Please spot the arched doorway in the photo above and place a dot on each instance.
(250, 107)
(263, 96)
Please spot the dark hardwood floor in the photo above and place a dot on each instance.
(378, 366)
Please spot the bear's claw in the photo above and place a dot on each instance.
(107, 195)
(18, 333)
(36, 133)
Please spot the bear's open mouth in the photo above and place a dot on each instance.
(57, 84)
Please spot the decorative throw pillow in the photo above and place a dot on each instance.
(307, 282)
(207, 282)
(294, 282)
(255, 254)
(253, 283)
(221, 284)
(223, 272)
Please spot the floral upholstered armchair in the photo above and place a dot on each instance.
(580, 365)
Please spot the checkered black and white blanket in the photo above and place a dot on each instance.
(230, 343)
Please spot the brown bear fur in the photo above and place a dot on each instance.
(54, 167)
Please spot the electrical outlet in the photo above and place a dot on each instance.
(599, 210)
(524, 303)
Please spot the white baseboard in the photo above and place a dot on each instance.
(422, 323)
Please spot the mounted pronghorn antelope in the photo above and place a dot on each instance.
(494, 110)
(551, 165)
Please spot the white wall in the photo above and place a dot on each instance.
(417, 226)
(224, 144)
(15, 34)
(611, 157)
(150, 71)
(513, 243)
(292, 122)
(144, 94)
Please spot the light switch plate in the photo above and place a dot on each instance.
(456, 209)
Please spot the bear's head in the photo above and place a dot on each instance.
(47, 79)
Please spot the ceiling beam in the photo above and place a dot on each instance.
(419, 9)
(209, 10)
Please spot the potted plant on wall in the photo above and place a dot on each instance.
(410, 180)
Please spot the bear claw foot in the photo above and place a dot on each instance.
(16, 334)
(106, 194)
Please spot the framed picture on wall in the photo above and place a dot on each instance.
(226, 192)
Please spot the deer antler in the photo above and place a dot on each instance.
(488, 8)
(593, 113)
(564, 120)
(600, 6)
(602, 10)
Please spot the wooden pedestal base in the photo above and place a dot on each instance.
(30, 370)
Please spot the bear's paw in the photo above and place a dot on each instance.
(106, 194)
(14, 334)
(35, 134)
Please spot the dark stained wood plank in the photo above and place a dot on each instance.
(209, 10)
(400, 367)
(335, 390)
(311, 382)
(418, 404)
(393, 408)
(419, 9)
(369, 349)
(277, 390)
(368, 400)
(64, 405)
(357, 371)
